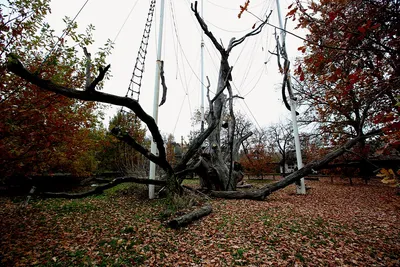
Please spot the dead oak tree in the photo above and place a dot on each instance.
(215, 168)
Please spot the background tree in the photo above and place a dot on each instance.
(119, 156)
(258, 156)
(281, 136)
(243, 130)
(30, 138)
(171, 149)
(258, 161)
(349, 74)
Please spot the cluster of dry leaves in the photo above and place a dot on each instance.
(335, 224)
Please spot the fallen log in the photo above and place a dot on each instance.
(189, 217)
(100, 189)
(262, 193)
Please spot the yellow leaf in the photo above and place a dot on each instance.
(388, 177)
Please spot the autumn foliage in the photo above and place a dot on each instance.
(258, 162)
(349, 74)
(119, 156)
(41, 132)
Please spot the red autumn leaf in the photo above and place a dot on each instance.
(299, 70)
(243, 8)
(292, 12)
(353, 78)
(302, 76)
(302, 49)
(332, 16)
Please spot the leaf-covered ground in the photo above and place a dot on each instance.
(335, 224)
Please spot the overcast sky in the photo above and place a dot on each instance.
(255, 72)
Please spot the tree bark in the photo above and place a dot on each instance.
(189, 217)
(218, 174)
(210, 175)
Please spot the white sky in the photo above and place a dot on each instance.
(258, 82)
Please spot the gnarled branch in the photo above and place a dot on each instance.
(16, 67)
(256, 31)
(164, 86)
(100, 189)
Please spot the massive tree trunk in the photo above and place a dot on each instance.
(216, 169)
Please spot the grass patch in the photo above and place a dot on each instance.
(299, 256)
(319, 222)
(124, 188)
(191, 182)
(76, 206)
(128, 229)
(61, 206)
(267, 219)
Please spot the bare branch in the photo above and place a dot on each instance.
(237, 96)
(162, 162)
(100, 189)
(252, 33)
(164, 86)
(99, 78)
(88, 67)
(208, 96)
(225, 85)
(197, 142)
(204, 26)
(16, 67)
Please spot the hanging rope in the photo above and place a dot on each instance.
(137, 74)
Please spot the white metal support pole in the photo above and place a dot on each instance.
(300, 186)
(202, 72)
(154, 150)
